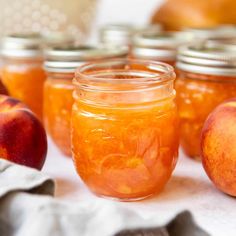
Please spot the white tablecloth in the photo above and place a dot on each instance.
(189, 188)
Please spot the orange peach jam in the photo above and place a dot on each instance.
(206, 78)
(22, 72)
(60, 65)
(58, 102)
(125, 127)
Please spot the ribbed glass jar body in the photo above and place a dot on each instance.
(120, 149)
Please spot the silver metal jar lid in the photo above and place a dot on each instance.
(66, 59)
(223, 31)
(26, 45)
(202, 59)
(223, 42)
(52, 39)
(161, 45)
(121, 34)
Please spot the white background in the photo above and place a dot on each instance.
(137, 12)
(133, 11)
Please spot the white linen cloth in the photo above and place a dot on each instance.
(27, 208)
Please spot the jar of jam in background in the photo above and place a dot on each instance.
(120, 148)
(22, 72)
(122, 34)
(158, 46)
(60, 64)
(206, 77)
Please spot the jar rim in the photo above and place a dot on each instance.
(159, 72)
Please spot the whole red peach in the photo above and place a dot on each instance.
(218, 147)
(22, 136)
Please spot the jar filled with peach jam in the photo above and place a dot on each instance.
(125, 127)
(158, 46)
(206, 77)
(122, 34)
(60, 65)
(22, 72)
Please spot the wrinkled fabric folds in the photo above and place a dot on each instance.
(28, 208)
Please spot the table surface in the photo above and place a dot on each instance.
(189, 188)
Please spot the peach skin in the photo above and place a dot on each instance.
(218, 147)
(22, 136)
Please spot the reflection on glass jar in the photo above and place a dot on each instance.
(121, 148)
(22, 72)
(60, 65)
(206, 77)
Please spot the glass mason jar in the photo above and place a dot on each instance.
(120, 149)
(206, 77)
(158, 46)
(60, 64)
(22, 72)
(122, 34)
